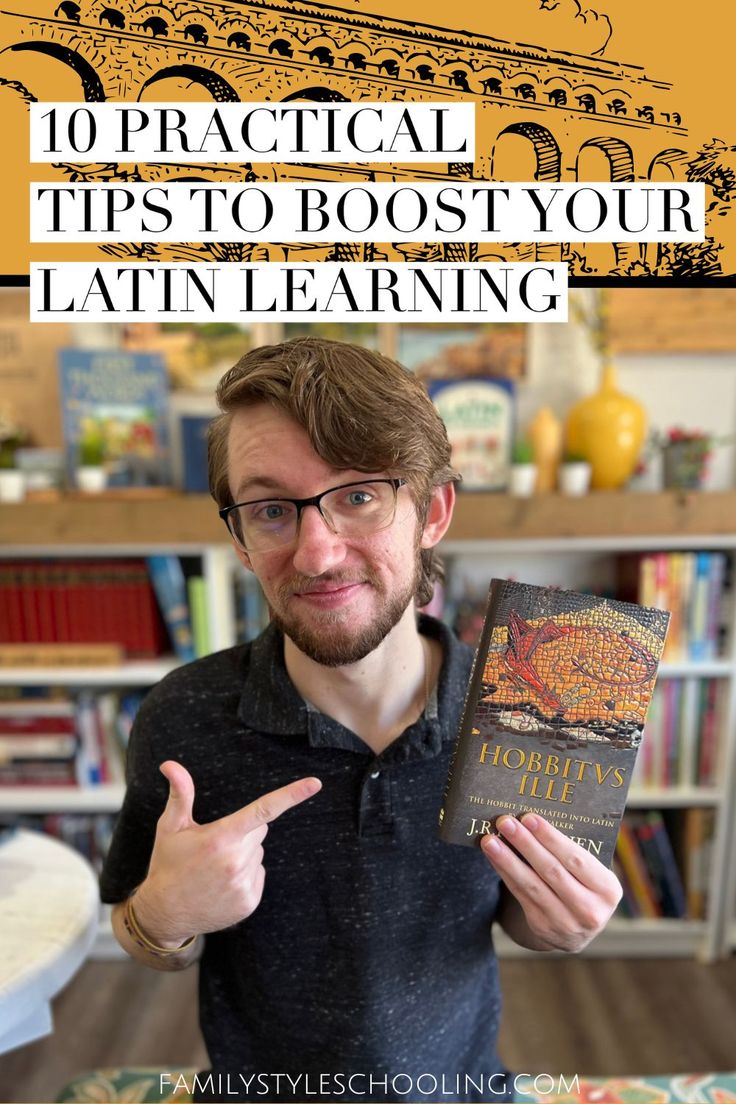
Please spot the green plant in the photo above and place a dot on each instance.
(12, 438)
(91, 446)
(574, 458)
(522, 452)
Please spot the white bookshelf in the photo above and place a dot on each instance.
(673, 797)
(489, 530)
(638, 938)
(714, 936)
(126, 674)
(106, 798)
(218, 564)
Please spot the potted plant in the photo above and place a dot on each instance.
(12, 481)
(523, 475)
(91, 476)
(685, 455)
(574, 474)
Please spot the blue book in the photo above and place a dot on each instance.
(193, 428)
(114, 411)
(170, 586)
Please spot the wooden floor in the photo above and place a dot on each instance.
(572, 1015)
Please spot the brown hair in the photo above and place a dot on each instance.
(360, 409)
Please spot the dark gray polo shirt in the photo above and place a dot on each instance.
(370, 954)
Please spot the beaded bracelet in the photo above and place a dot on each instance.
(133, 928)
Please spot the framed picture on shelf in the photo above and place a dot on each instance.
(115, 416)
(479, 416)
(437, 350)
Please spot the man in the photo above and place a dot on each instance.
(290, 834)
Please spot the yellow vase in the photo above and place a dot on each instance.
(545, 435)
(608, 429)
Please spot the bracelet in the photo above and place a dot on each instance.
(133, 928)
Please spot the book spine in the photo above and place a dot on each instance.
(695, 832)
(715, 597)
(170, 587)
(708, 735)
(636, 872)
(449, 828)
(699, 609)
(197, 593)
(663, 860)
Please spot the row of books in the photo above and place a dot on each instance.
(680, 745)
(691, 585)
(145, 607)
(665, 871)
(78, 741)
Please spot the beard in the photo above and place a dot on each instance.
(330, 639)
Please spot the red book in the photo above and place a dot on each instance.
(34, 725)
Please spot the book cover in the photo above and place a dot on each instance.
(479, 416)
(554, 714)
(114, 412)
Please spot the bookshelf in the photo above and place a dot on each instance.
(488, 530)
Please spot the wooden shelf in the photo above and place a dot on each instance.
(612, 514)
(181, 520)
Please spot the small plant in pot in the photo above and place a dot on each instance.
(523, 476)
(685, 455)
(12, 482)
(574, 474)
(91, 475)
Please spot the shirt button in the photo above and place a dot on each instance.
(375, 774)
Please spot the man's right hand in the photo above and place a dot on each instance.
(205, 877)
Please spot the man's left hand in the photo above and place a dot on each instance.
(563, 898)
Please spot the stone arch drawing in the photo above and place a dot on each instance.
(91, 83)
(321, 50)
(587, 98)
(317, 95)
(216, 85)
(673, 159)
(525, 86)
(545, 148)
(386, 61)
(19, 88)
(618, 154)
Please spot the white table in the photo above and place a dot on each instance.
(49, 909)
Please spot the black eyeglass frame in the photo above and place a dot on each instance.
(302, 503)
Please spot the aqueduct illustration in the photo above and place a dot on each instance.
(539, 114)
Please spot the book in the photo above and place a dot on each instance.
(170, 586)
(554, 714)
(115, 414)
(637, 875)
(198, 607)
(656, 848)
(479, 416)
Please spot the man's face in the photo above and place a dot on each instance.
(336, 597)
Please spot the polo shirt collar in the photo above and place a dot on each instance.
(270, 702)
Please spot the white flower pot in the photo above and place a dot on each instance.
(12, 485)
(523, 480)
(574, 478)
(91, 480)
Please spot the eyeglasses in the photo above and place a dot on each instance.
(350, 510)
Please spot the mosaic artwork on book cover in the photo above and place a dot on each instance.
(554, 714)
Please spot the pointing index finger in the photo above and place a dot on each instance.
(271, 805)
